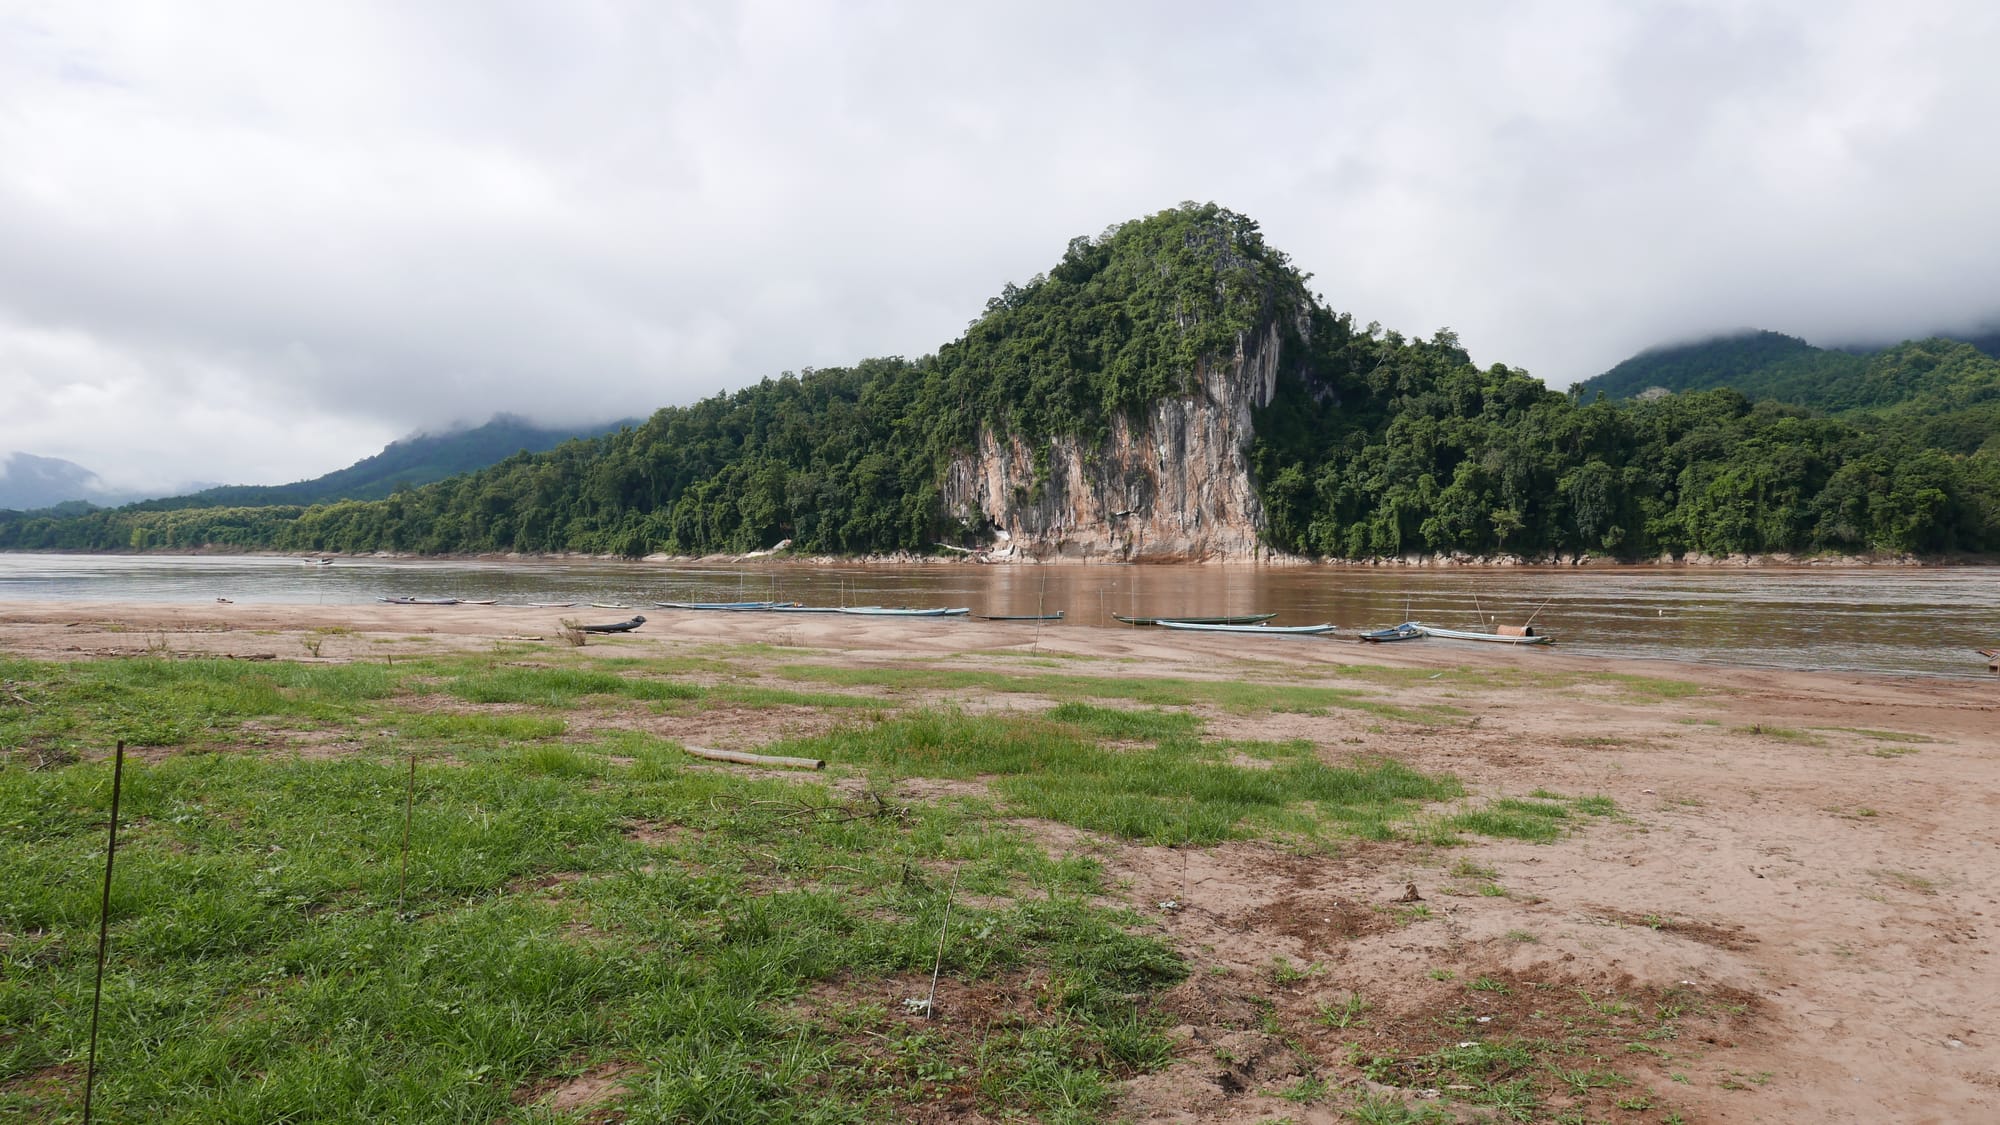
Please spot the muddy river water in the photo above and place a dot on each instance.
(1897, 620)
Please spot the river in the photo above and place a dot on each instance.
(1896, 620)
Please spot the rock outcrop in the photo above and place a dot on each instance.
(1170, 483)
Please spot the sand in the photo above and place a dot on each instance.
(1815, 859)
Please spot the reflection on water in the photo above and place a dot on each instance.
(1895, 620)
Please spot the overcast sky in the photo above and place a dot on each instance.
(253, 242)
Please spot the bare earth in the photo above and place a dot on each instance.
(1813, 861)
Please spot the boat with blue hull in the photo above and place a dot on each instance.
(1407, 631)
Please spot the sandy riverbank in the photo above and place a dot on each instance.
(1826, 848)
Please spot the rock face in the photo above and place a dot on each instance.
(1169, 484)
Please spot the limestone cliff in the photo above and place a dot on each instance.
(1170, 482)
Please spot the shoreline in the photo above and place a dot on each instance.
(1777, 561)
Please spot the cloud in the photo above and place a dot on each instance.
(253, 242)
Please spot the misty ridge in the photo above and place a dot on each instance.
(31, 483)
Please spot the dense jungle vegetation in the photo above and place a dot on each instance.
(1376, 445)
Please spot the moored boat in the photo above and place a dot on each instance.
(1526, 635)
(614, 627)
(1233, 619)
(1253, 630)
(1056, 616)
(904, 611)
(1407, 631)
(735, 607)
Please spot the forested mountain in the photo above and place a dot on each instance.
(1936, 392)
(1051, 416)
(1760, 364)
(419, 459)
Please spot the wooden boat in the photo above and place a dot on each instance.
(734, 607)
(609, 605)
(1236, 619)
(1526, 636)
(550, 605)
(813, 608)
(1254, 630)
(1404, 632)
(419, 601)
(1056, 616)
(615, 627)
(903, 611)
(480, 601)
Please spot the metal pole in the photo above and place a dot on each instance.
(103, 929)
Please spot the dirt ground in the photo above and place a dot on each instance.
(1806, 865)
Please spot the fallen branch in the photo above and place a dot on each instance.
(743, 759)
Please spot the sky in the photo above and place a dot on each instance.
(254, 242)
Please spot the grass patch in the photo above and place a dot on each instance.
(1895, 736)
(563, 687)
(566, 904)
(1173, 792)
(150, 701)
(1781, 734)
(1235, 697)
(756, 695)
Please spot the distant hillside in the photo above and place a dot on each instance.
(408, 463)
(28, 481)
(1760, 364)
(1938, 392)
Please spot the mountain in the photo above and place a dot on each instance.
(416, 460)
(1944, 393)
(1172, 390)
(28, 481)
(1760, 364)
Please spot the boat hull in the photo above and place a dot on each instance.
(1252, 630)
(1393, 633)
(1491, 638)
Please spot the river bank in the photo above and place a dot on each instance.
(1056, 556)
(1810, 860)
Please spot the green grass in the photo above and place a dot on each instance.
(1782, 734)
(1176, 791)
(1896, 736)
(578, 896)
(1236, 697)
(261, 970)
(561, 686)
(161, 702)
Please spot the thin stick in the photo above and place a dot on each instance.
(930, 1002)
(103, 929)
(409, 805)
(1538, 610)
(1041, 610)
